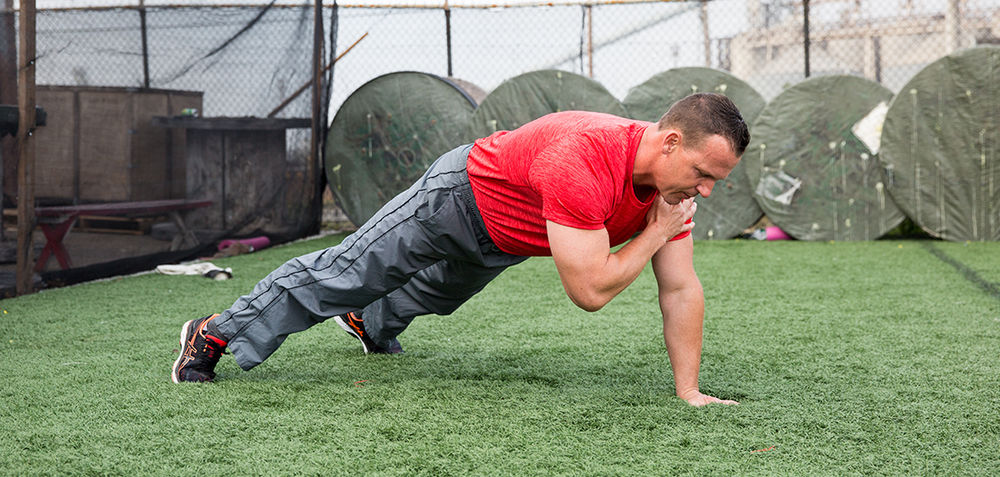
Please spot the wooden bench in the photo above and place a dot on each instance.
(56, 222)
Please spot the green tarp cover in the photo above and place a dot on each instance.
(809, 172)
(532, 95)
(649, 100)
(731, 208)
(387, 133)
(940, 145)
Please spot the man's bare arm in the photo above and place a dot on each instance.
(591, 274)
(682, 303)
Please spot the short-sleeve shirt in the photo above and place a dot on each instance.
(573, 168)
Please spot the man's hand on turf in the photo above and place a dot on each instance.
(697, 399)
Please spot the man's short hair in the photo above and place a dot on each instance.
(701, 115)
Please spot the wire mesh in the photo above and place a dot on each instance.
(248, 58)
(245, 60)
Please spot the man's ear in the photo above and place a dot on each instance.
(671, 141)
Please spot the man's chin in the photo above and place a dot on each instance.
(674, 199)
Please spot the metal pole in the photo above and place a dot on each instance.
(805, 33)
(26, 161)
(590, 40)
(8, 95)
(447, 34)
(583, 36)
(315, 158)
(145, 44)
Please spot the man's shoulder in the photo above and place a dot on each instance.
(588, 120)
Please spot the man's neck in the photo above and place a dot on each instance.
(646, 155)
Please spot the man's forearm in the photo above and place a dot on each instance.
(683, 314)
(591, 274)
(592, 283)
(627, 263)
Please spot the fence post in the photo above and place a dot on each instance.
(145, 45)
(590, 40)
(805, 33)
(8, 95)
(447, 34)
(315, 167)
(26, 145)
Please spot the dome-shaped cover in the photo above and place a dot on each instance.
(387, 133)
(731, 208)
(940, 144)
(530, 96)
(649, 100)
(809, 172)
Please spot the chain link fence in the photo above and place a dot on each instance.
(621, 45)
(248, 59)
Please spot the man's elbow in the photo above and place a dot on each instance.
(589, 301)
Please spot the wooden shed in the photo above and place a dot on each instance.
(244, 167)
(100, 145)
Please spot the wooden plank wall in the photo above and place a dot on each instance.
(242, 173)
(99, 144)
(150, 160)
(255, 169)
(177, 146)
(56, 148)
(205, 178)
(105, 146)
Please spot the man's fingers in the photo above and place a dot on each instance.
(692, 207)
(715, 400)
(728, 402)
(704, 399)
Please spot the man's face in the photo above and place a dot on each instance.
(686, 172)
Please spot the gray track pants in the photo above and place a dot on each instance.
(426, 251)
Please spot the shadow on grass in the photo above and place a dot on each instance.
(528, 368)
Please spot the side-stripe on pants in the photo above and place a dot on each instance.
(426, 251)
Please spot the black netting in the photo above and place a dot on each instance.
(246, 60)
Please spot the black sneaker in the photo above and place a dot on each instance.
(354, 326)
(200, 352)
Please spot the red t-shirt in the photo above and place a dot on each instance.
(573, 168)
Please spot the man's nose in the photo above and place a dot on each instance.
(705, 188)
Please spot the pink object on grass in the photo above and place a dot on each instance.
(255, 243)
(774, 233)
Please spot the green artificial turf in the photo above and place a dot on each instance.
(848, 358)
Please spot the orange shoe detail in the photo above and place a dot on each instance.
(356, 323)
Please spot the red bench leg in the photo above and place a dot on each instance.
(54, 235)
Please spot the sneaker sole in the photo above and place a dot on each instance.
(343, 324)
(174, 372)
